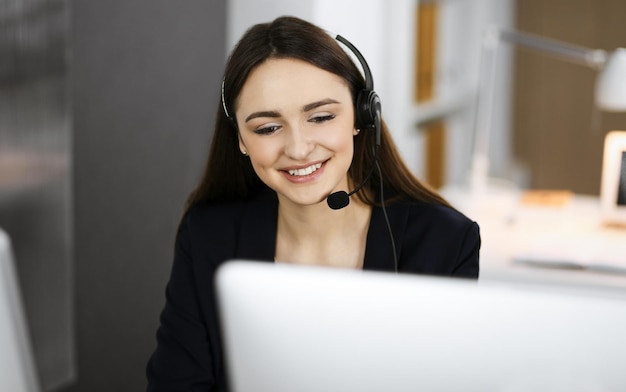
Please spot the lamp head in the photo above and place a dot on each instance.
(611, 83)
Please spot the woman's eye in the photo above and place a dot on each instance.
(322, 119)
(267, 130)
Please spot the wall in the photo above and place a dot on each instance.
(145, 85)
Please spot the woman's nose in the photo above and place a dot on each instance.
(298, 145)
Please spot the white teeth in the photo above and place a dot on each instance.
(306, 171)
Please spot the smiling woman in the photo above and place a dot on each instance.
(297, 123)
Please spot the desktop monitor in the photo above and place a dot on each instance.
(297, 328)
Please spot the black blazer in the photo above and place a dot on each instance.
(429, 239)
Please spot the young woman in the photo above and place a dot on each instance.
(297, 123)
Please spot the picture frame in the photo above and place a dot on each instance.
(613, 186)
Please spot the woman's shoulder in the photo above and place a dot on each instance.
(435, 238)
(434, 214)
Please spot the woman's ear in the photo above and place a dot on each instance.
(242, 146)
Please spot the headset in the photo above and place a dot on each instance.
(368, 107)
(367, 112)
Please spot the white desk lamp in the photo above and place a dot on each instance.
(610, 92)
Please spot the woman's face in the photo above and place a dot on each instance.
(296, 123)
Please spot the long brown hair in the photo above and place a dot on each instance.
(229, 174)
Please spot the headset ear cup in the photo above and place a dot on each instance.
(364, 118)
(367, 108)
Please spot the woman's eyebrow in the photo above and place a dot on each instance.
(314, 105)
(262, 114)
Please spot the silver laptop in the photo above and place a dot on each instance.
(296, 328)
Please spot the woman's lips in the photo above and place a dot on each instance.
(305, 173)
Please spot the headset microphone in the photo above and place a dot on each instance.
(340, 199)
(367, 110)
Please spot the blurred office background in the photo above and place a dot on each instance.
(105, 116)
(106, 109)
(36, 196)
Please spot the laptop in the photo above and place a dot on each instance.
(302, 328)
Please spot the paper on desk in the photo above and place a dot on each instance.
(606, 252)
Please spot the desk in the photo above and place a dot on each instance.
(17, 369)
(555, 244)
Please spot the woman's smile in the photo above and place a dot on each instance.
(306, 171)
(305, 174)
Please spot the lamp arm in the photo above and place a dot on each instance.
(594, 58)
